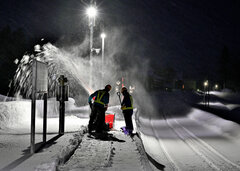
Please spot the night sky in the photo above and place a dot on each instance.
(186, 35)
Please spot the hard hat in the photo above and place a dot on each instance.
(123, 89)
(108, 87)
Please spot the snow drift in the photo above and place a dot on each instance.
(15, 116)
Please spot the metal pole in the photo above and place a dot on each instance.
(102, 59)
(208, 94)
(91, 25)
(204, 96)
(63, 109)
(91, 50)
(45, 117)
(33, 123)
(61, 103)
(60, 111)
(33, 108)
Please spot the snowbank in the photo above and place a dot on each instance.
(215, 123)
(178, 104)
(14, 113)
(15, 116)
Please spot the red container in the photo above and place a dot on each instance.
(109, 119)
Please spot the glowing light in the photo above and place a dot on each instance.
(205, 83)
(216, 86)
(91, 12)
(103, 35)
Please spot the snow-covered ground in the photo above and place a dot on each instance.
(15, 118)
(15, 136)
(181, 137)
(175, 135)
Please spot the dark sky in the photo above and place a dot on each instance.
(184, 34)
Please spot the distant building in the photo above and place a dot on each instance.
(189, 85)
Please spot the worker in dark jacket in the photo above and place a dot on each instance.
(99, 106)
(127, 109)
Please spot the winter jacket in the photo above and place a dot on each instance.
(101, 98)
(127, 103)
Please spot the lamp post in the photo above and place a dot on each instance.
(91, 12)
(206, 86)
(103, 35)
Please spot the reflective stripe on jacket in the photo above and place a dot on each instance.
(99, 97)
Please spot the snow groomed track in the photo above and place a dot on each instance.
(207, 153)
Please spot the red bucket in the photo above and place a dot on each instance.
(109, 119)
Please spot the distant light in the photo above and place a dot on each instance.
(216, 86)
(103, 35)
(91, 12)
(205, 83)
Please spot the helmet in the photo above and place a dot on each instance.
(108, 87)
(123, 89)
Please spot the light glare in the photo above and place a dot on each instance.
(103, 35)
(91, 12)
(205, 83)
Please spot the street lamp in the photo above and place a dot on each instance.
(103, 35)
(206, 85)
(92, 13)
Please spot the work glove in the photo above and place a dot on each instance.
(122, 107)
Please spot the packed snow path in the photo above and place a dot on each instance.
(184, 144)
(118, 152)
